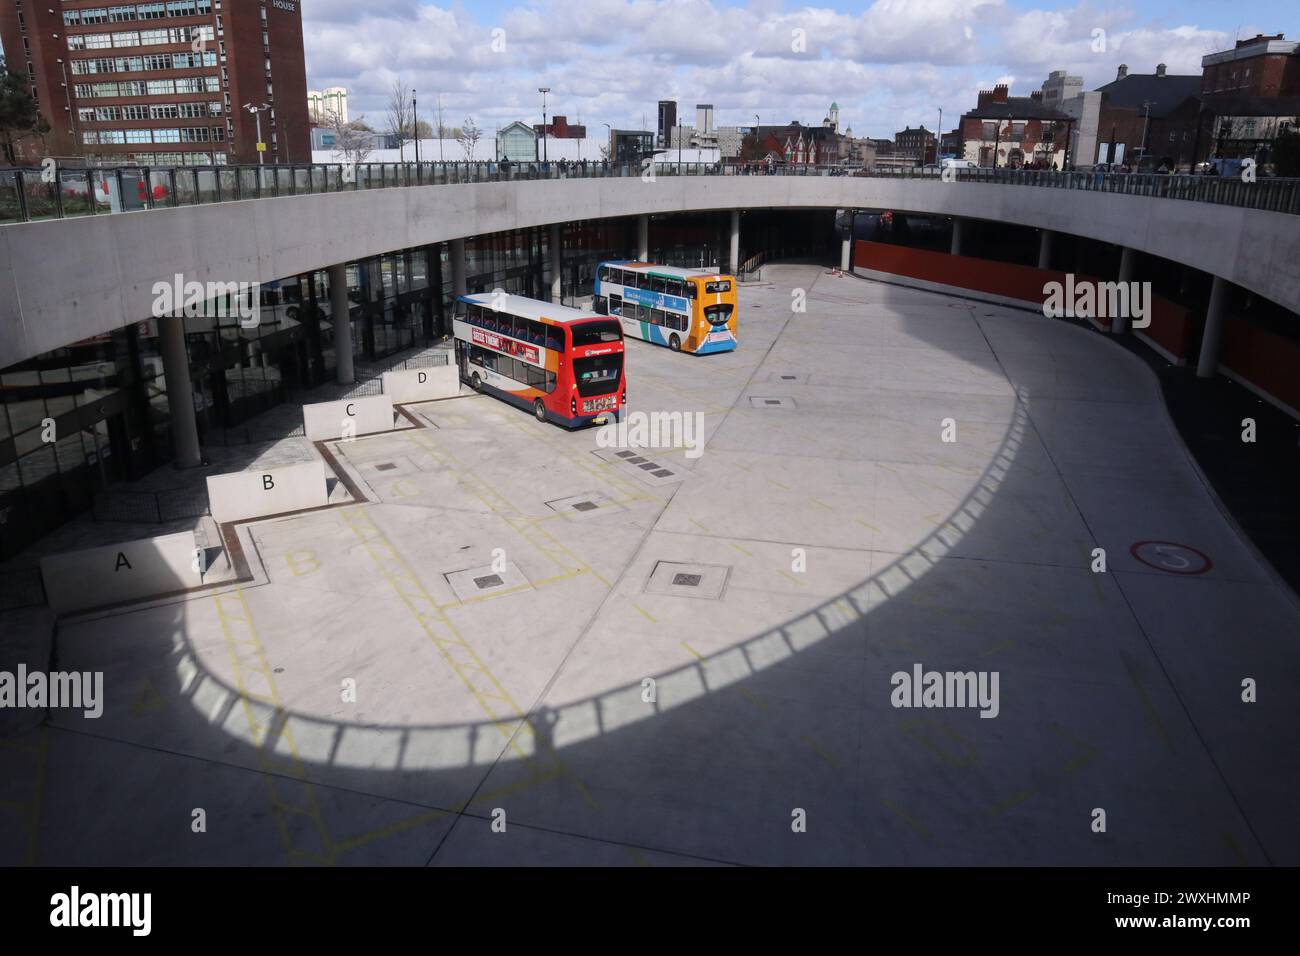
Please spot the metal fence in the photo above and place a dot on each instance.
(28, 194)
(21, 587)
(150, 507)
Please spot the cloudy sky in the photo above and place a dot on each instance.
(889, 64)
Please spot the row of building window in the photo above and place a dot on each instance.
(104, 41)
(141, 64)
(138, 11)
(112, 114)
(189, 84)
(162, 159)
(192, 134)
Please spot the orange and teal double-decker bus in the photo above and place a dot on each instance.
(564, 365)
(688, 310)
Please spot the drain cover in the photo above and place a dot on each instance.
(587, 505)
(684, 579)
(385, 466)
(661, 473)
(760, 401)
(482, 583)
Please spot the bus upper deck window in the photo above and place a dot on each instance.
(713, 288)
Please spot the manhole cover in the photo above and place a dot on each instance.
(386, 466)
(488, 581)
(585, 506)
(688, 580)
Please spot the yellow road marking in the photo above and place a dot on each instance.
(822, 753)
(1147, 706)
(907, 818)
(788, 575)
(648, 616)
(740, 549)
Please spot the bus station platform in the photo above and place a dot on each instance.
(672, 658)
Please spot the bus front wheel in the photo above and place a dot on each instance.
(674, 343)
(477, 382)
(539, 410)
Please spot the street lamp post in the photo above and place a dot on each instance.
(257, 113)
(543, 90)
(415, 125)
(1146, 119)
(938, 136)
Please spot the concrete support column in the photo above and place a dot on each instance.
(956, 236)
(1215, 316)
(180, 391)
(735, 241)
(846, 246)
(557, 263)
(1127, 260)
(643, 238)
(458, 285)
(1045, 249)
(341, 312)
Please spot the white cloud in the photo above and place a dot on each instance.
(889, 64)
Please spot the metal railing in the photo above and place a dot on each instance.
(33, 194)
(21, 587)
(150, 507)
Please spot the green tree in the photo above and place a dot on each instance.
(1286, 154)
(19, 115)
(751, 150)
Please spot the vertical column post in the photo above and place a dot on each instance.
(341, 313)
(1215, 315)
(180, 391)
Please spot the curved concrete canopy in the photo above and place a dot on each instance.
(67, 280)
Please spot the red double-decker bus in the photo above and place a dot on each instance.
(564, 364)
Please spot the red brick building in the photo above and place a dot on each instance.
(560, 128)
(1134, 110)
(162, 82)
(1260, 66)
(1015, 131)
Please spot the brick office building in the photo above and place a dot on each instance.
(162, 82)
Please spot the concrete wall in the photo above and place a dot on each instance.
(357, 416)
(240, 495)
(66, 280)
(114, 574)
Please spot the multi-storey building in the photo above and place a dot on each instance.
(163, 82)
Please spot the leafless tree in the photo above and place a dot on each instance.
(442, 126)
(399, 113)
(470, 134)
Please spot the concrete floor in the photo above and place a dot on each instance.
(526, 701)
